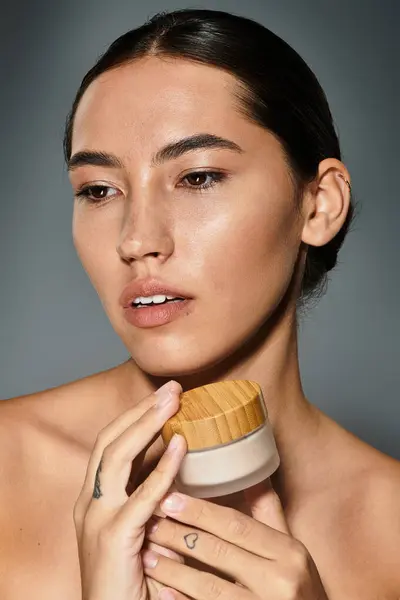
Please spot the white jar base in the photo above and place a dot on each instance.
(229, 468)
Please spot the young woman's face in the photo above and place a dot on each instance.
(232, 246)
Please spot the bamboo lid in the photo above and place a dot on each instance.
(217, 414)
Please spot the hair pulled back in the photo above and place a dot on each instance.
(278, 91)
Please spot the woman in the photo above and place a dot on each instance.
(205, 167)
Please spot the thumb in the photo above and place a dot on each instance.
(266, 506)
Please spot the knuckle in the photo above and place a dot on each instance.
(220, 549)
(174, 532)
(239, 526)
(287, 586)
(109, 453)
(114, 453)
(299, 558)
(293, 577)
(162, 470)
(270, 505)
(212, 588)
(102, 439)
(197, 512)
(148, 489)
(291, 589)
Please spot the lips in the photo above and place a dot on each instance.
(149, 287)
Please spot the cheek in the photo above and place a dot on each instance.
(94, 242)
(256, 254)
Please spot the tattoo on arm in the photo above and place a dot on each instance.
(97, 491)
(190, 540)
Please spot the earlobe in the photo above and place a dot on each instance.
(328, 205)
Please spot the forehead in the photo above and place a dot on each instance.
(155, 98)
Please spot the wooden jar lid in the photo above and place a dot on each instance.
(217, 413)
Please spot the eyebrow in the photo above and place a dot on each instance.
(169, 152)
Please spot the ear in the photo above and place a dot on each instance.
(327, 203)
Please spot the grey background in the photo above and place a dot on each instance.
(53, 328)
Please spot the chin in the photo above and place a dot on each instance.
(174, 365)
(180, 356)
(210, 346)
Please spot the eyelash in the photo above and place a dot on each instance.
(84, 192)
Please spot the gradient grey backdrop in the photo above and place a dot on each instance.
(53, 328)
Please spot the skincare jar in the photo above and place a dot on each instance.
(230, 442)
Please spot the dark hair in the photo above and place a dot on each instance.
(277, 90)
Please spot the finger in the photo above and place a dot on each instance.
(113, 470)
(164, 593)
(140, 506)
(240, 565)
(109, 433)
(170, 594)
(191, 582)
(230, 525)
(266, 506)
(105, 437)
(158, 512)
(164, 551)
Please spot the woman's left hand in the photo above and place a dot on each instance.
(258, 553)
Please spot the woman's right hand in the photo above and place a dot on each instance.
(110, 525)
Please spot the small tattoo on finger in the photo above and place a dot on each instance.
(190, 540)
(97, 490)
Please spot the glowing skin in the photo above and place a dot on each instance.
(235, 247)
(232, 247)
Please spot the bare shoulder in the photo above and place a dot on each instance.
(378, 534)
(32, 427)
(379, 484)
(72, 413)
(382, 489)
(366, 523)
(350, 521)
(44, 450)
(41, 431)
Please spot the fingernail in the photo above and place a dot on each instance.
(173, 503)
(173, 443)
(166, 393)
(166, 594)
(150, 559)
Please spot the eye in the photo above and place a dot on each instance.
(95, 194)
(203, 179)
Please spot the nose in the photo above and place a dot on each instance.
(145, 232)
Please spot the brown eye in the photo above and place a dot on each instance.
(197, 179)
(203, 179)
(95, 193)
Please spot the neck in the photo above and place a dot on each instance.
(271, 359)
